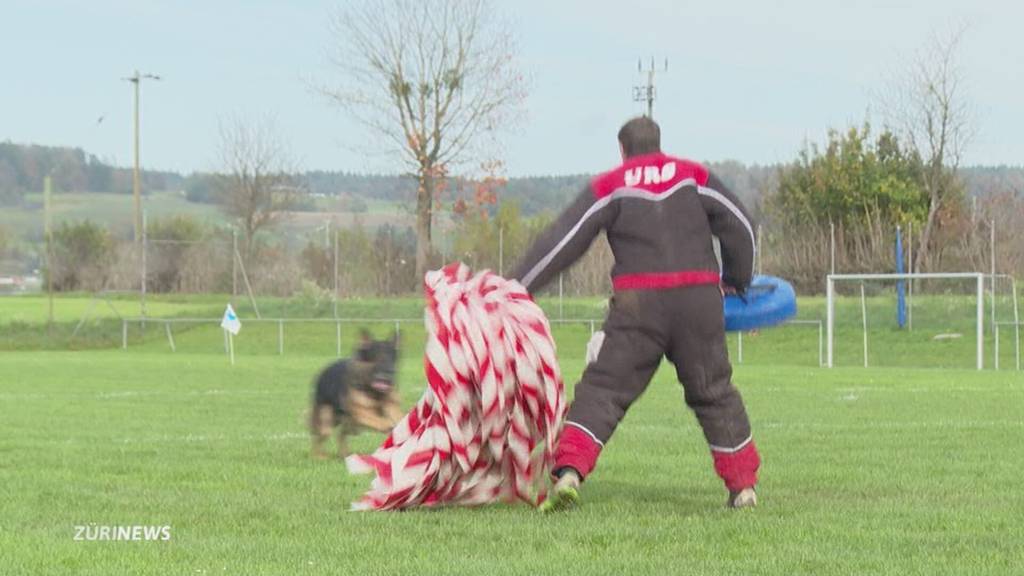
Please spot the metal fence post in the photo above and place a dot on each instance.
(981, 321)
(992, 254)
(145, 242)
(124, 334)
(336, 292)
(170, 338)
(234, 264)
(1016, 322)
(280, 337)
(829, 317)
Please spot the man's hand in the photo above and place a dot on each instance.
(728, 290)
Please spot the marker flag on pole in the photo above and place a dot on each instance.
(230, 322)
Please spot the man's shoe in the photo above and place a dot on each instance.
(565, 494)
(746, 498)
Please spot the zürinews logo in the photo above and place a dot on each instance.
(94, 533)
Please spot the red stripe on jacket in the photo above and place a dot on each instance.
(664, 280)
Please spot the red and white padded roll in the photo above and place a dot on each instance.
(485, 429)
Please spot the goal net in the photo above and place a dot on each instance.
(941, 320)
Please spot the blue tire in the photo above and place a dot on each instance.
(769, 301)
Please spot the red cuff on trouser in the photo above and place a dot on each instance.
(738, 469)
(577, 449)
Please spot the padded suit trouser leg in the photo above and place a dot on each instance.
(687, 325)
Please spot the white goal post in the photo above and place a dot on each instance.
(830, 303)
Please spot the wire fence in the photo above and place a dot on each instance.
(341, 331)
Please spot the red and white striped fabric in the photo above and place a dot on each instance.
(486, 426)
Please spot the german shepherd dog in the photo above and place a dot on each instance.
(356, 393)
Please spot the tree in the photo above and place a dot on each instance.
(856, 182)
(927, 107)
(863, 185)
(5, 241)
(430, 78)
(258, 184)
(172, 241)
(83, 252)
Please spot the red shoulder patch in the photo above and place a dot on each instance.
(655, 173)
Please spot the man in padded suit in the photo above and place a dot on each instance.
(659, 214)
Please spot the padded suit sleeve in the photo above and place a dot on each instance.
(734, 227)
(565, 240)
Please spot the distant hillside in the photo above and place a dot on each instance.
(23, 167)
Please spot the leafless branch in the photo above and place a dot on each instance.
(927, 106)
(257, 184)
(430, 79)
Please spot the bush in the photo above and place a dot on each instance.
(317, 264)
(171, 243)
(82, 256)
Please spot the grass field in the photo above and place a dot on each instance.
(867, 471)
(115, 211)
(943, 334)
(112, 210)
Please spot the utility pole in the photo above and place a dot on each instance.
(48, 228)
(336, 292)
(136, 79)
(501, 249)
(145, 271)
(647, 93)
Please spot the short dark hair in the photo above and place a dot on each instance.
(641, 135)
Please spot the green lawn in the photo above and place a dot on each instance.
(878, 471)
(943, 334)
(34, 308)
(113, 210)
(116, 211)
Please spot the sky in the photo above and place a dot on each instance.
(748, 81)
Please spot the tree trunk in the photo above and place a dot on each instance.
(424, 210)
(248, 244)
(923, 253)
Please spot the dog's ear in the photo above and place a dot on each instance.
(365, 337)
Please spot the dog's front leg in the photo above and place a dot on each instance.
(321, 422)
(343, 431)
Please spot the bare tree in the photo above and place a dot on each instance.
(258, 183)
(928, 108)
(431, 79)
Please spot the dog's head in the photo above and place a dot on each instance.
(381, 356)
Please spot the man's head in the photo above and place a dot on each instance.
(639, 136)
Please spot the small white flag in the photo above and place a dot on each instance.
(231, 323)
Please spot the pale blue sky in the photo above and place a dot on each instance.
(747, 80)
